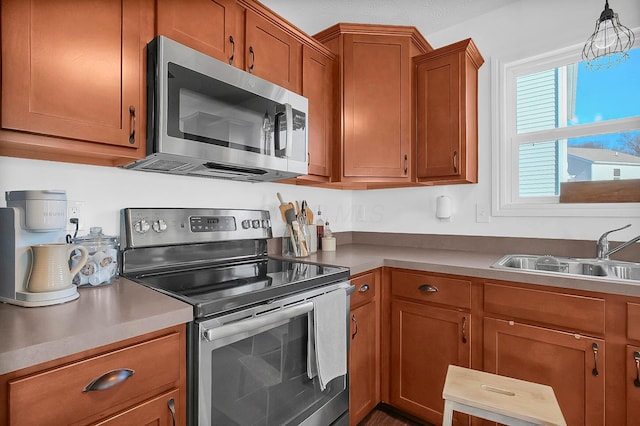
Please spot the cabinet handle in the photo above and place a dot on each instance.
(355, 322)
(427, 288)
(172, 407)
(464, 329)
(363, 288)
(636, 357)
(406, 164)
(595, 359)
(233, 50)
(109, 380)
(253, 59)
(455, 162)
(132, 133)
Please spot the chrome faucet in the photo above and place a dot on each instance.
(602, 246)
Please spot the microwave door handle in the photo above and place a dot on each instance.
(285, 145)
(289, 143)
(239, 327)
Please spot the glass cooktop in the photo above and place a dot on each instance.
(213, 290)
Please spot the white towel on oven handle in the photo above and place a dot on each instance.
(327, 341)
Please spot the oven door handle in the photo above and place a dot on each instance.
(239, 327)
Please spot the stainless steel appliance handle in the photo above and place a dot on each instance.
(212, 334)
(289, 141)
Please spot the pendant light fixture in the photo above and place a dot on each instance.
(610, 42)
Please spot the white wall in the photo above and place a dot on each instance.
(106, 190)
(521, 28)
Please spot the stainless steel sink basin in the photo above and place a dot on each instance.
(607, 269)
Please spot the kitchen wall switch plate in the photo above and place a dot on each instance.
(483, 214)
(75, 209)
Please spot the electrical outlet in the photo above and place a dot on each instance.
(75, 209)
(483, 214)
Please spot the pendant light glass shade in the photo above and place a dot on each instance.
(610, 42)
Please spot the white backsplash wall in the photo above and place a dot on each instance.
(106, 190)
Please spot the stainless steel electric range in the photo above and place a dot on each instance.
(247, 345)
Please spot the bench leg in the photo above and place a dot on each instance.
(447, 418)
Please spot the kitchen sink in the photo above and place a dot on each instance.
(601, 268)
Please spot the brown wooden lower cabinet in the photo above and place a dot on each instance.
(424, 341)
(632, 380)
(573, 365)
(364, 353)
(584, 344)
(60, 391)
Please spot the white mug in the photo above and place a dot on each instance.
(50, 266)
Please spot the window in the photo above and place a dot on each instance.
(555, 121)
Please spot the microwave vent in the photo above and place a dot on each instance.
(162, 165)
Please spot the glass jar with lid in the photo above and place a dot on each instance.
(102, 264)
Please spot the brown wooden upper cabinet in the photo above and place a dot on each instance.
(446, 82)
(319, 70)
(375, 144)
(72, 80)
(272, 53)
(213, 27)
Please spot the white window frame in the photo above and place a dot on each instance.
(505, 185)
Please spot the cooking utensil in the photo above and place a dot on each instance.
(284, 207)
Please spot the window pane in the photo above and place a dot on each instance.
(604, 157)
(572, 95)
(538, 165)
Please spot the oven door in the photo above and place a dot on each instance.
(252, 369)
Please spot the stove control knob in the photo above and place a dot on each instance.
(266, 223)
(159, 225)
(141, 226)
(246, 224)
(255, 223)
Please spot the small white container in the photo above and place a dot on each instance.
(328, 244)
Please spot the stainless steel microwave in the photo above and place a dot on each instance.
(207, 118)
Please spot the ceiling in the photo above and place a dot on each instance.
(429, 16)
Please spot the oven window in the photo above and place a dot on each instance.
(262, 379)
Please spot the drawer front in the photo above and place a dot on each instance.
(633, 321)
(570, 311)
(56, 396)
(366, 288)
(430, 288)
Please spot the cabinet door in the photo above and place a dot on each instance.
(164, 410)
(633, 384)
(205, 25)
(318, 86)
(272, 53)
(571, 364)
(447, 113)
(73, 69)
(377, 101)
(424, 341)
(438, 117)
(363, 362)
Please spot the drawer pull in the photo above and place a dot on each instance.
(427, 288)
(636, 357)
(109, 380)
(594, 347)
(363, 288)
(172, 407)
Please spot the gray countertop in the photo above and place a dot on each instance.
(123, 309)
(100, 316)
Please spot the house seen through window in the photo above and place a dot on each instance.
(573, 125)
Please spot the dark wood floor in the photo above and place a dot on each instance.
(382, 416)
